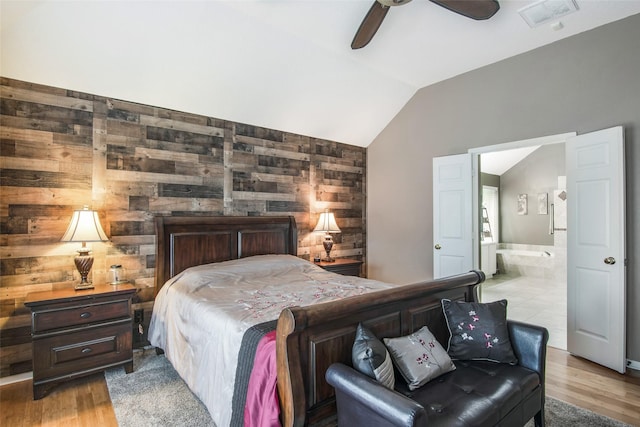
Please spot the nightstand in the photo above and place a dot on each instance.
(346, 267)
(77, 333)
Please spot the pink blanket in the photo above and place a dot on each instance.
(262, 407)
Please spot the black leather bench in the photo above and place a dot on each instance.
(476, 394)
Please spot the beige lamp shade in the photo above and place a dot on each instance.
(85, 227)
(327, 223)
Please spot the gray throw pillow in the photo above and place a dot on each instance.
(419, 357)
(370, 357)
(478, 331)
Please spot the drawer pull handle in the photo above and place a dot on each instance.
(86, 350)
(85, 315)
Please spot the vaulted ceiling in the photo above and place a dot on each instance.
(282, 64)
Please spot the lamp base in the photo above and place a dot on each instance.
(83, 262)
(328, 245)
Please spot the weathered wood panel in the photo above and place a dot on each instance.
(61, 149)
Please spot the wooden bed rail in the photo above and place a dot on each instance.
(309, 339)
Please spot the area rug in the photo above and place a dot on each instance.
(154, 395)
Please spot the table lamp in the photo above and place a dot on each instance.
(327, 224)
(84, 227)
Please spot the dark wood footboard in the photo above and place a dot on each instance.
(310, 339)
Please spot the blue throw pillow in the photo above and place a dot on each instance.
(370, 357)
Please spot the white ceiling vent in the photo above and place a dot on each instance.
(547, 10)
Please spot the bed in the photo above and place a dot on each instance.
(307, 336)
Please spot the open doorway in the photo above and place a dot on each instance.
(523, 234)
(595, 239)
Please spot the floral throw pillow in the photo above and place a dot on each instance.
(478, 331)
(370, 357)
(419, 357)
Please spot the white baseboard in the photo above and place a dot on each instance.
(633, 364)
(16, 378)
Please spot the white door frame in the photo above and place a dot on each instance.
(476, 188)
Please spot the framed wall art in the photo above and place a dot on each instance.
(522, 204)
(543, 204)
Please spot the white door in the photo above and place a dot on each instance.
(596, 288)
(452, 215)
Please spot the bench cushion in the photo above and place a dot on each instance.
(478, 393)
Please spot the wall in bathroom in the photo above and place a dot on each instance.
(535, 174)
(489, 179)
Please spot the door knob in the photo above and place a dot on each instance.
(610, 260)
(438, 247)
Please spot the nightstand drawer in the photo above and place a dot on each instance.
(344, 266)
(71, 316)
(61, 354)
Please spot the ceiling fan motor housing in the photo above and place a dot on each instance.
(393, 2)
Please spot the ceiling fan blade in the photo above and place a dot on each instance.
(474, 9)
(369, 25)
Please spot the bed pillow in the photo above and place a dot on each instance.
(370, 357)
(478, 331)
(419, 357)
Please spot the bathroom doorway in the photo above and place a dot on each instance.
(523, 249)
(595, 243)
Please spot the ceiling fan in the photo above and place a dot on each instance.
(474, 9)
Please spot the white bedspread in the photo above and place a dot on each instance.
(200, 316)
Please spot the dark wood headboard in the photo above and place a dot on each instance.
(183, 242)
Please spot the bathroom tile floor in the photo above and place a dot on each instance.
(538, 301)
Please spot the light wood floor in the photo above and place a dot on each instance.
(594, 387)
(85, 402)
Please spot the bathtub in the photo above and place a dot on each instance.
(526, 260)
(525, 253)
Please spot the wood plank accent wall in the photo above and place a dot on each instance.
(62, 149)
